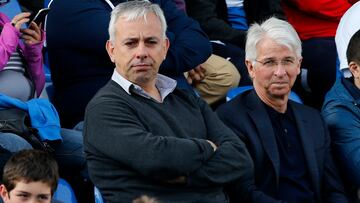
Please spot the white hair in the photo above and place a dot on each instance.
(133, 10)
(278, 30)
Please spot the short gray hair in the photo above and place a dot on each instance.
(279, 30)
(133, 10)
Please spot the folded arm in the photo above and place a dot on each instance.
(118, 132)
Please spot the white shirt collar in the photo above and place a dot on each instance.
(164, 84)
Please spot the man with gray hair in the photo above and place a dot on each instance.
(288, 142)
(143, 136)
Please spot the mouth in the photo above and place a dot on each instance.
(280, 83)
(141, 67)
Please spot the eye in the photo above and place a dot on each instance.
(23, 196)
(131, 43)
(43, 197)
(287, 62)
(151, 42)
(270, 63)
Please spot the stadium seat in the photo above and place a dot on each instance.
(236, 91)
(64, 193)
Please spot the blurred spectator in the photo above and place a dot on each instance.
(213, 78)
(341, 112)
(227, 21)
(21, 64)
(316, 23)
(22, 77)
(80, 65)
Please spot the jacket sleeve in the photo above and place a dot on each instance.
(345, 137)
(189, 45)
(117, 132)
(206, 13)
(9, 40)
(34, 59)
(333, 189)
(231, 160)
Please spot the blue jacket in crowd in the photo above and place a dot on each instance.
(342, 115)
(43, 115)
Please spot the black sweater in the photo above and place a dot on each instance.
(135, 145)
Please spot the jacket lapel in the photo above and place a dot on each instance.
(306, 136)
(263, 125)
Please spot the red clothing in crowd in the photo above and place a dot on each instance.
(315, 18)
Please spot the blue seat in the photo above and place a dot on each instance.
(64, 192)
(238, 90)
(98, 196)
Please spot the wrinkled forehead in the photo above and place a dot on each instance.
(271, 48)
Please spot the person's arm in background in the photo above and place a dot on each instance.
(34, 39)
(189, 45)
(9, 40)
(206, 13)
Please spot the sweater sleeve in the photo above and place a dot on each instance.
(231, 161)
(9, 40)
(34, 58)
(117, 131)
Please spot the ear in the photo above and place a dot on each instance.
(354, 69)
(4, 193)
(299, 66)
(110, 50)
(250, 68)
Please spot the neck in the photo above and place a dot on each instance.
(279, 104)
(357, 82)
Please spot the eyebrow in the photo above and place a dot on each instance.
(137, 38)
(25, 192)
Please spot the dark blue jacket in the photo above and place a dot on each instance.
(76, 37)
(246, 115)
(341, 113)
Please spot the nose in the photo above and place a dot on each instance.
(280, 70)
(141, 52)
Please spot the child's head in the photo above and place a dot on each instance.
(29, 174)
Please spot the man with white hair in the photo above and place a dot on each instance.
(288, 142)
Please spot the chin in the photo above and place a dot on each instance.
(280, 93)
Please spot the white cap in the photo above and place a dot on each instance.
(347, 27)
